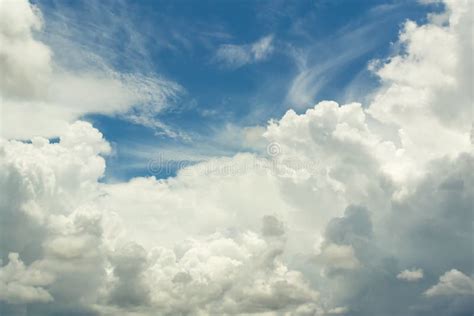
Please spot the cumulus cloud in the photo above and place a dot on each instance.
(429, 85)
(38, 93)
(80, 241)
(410, 275)
(23, 285)
(451, 283)
(374, 188)
(236, 56)
(223, 275)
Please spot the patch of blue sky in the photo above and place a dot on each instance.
(239, 63)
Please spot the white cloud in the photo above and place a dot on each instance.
(338, 311)
(410, 275)
(25, 63)
(451, 283)
(20, 284)
(82, 238)
(262, 48)
(426, 92)
(40, 98)
(236, 56)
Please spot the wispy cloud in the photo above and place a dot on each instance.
(321, 61)
(70, 76)
(236, 56)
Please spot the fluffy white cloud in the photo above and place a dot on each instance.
(40, 98)
(48, 217)
(79, 240)
(426, 92)
(25, 63)
(223, 275)
(20, 284)
(453, 282)
(235, 56)
(410, 275)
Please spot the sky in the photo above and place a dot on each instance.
(236, 158)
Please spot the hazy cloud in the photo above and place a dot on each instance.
(410, 275)
(236, 56)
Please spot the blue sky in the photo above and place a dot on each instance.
(309, 51)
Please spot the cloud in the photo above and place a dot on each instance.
(25, 63)
(410, 275)
(272, 226)
(236, 56)
(338, 311)
(83, 242)
(226, 275)
(375, 188)
(49, 96)
(319, 63)
(338, 257)
(423, 81)
(23, 285)
(453, 282)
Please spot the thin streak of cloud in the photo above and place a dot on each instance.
(236, 56)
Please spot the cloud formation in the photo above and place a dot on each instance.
(38, 92)
(22, 284)
(452, 283)
(235, 56)
(328, 224)
(410, 275)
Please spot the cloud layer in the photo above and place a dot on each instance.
(352, 211)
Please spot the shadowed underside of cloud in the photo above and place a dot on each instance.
(340, 218)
